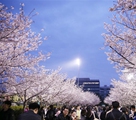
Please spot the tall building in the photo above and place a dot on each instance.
(104, 91)
(89, 85)
(93, 85)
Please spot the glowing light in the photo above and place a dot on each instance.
(78, 61)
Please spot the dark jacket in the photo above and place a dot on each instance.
(102, 115)
(50, 115)
(61, 117)
(115, 114)
(29, 115)
(7, 115)
(91, 115)
(41, 113)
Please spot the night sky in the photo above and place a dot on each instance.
(74, 30)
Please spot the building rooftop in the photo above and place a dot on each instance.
(86, 79)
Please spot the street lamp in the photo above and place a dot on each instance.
(78, 63)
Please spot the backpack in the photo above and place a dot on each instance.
(115, 118)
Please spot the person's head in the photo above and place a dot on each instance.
(51, 107)
(89, 108)
(73, 114)
(78, 107)
(132, 107)
(123, 109)
(35, 107)
(108, 107)
(6, 105)
(115, 104)
(65, 111)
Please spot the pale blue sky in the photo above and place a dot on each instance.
(74, 29)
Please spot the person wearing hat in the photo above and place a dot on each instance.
(7, 113)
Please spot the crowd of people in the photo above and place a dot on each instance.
(35, 112)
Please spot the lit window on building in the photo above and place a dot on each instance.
(88, 89)
(90, 83)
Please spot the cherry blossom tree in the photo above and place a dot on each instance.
(121, 37)
(124, 90)
(17, 42)
(121, 41)
(50, 86)
(33, 85)
(20, 73)
(64, 90)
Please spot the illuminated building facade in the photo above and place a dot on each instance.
(89, 85)
(104, 91)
